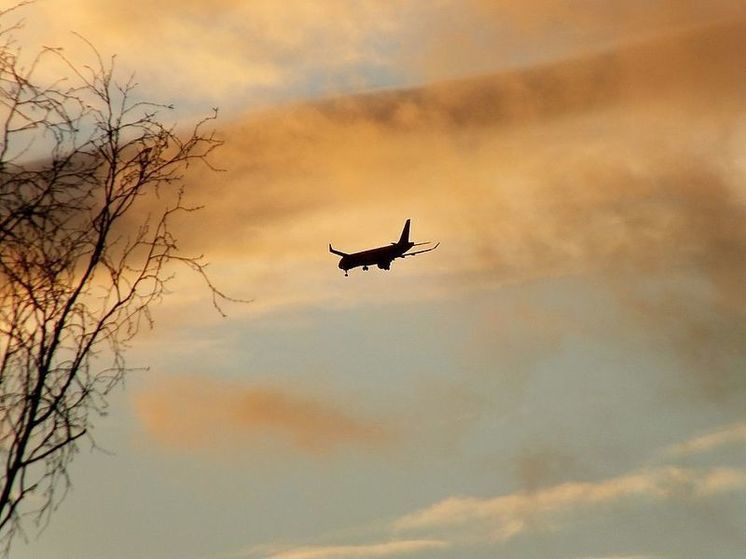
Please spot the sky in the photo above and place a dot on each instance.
(565, 377)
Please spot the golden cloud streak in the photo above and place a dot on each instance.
(202, 413)
(363, 551)
(625, 557)
(728, 435)
(512, 514)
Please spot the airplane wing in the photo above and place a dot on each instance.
(337, 252)
(420, 251)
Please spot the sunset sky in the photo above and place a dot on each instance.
(565, 377)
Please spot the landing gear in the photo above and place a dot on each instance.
(346, 274)
(365, 268)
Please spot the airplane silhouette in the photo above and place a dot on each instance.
(381, 256)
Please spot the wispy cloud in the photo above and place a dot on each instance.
(725, 436)
(462, 522)
(459, 522)
(193, 413)
(362, 551)
(624, 557)
(506, 516)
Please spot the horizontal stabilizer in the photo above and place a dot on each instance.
(420, 251)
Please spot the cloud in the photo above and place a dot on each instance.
(473, 36)
(620, 162)
(506, 516)
(622, 168)
(728, 435)
(617, 15)
(364, 551)
(225, 52)
(238, 53)
(461, 522)
(625, 557)
(187, 413)
(467, 141)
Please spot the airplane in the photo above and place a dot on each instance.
(381, 256)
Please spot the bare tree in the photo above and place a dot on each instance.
(90, 180)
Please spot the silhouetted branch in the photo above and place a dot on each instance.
(85, 240)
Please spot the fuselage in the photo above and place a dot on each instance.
(381, 256)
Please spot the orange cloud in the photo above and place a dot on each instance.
(227, 52)
(203, 413)
(222, 52)
(576, 137)
(474, 36)
(615, 14)
(621, 168)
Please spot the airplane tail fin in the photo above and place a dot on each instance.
(405, 234)
(337, 252)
